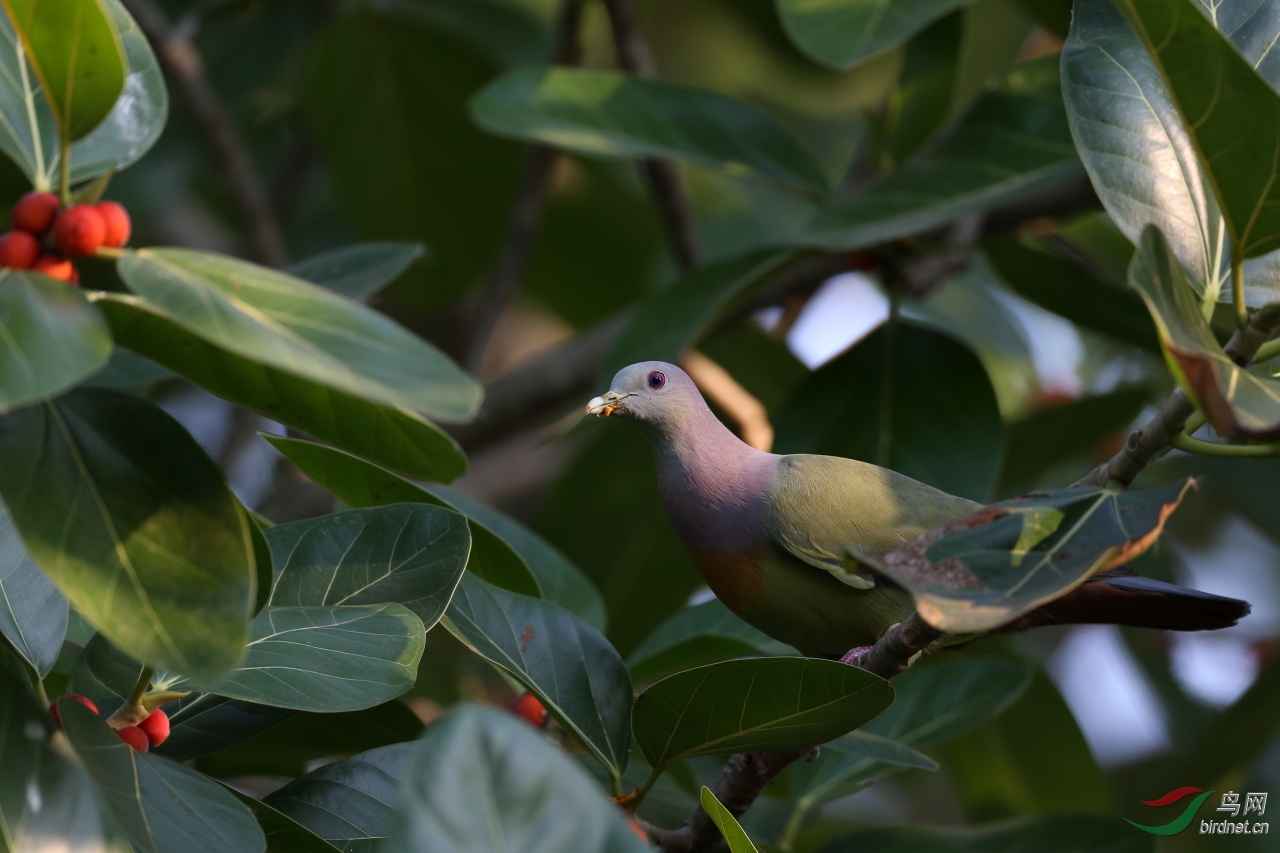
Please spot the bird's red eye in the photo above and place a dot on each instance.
(657, 380)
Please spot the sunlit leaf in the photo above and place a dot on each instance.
(733, 833)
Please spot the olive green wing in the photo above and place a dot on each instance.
(823, 507)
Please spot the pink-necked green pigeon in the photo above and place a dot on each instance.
(769, 533)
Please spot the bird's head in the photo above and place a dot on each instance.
(654, 394)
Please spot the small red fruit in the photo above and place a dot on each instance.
(55, 266)
(528, 707)
(156, 727)
(18, 250)
(53, 706)
(135, 737)
(79, 231)
(118, 225)
(35, 212)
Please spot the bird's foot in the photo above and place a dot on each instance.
(854, 655)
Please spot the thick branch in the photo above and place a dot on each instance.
(184, 71)
(526, 212)
(1157, 435)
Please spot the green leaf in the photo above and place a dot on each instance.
(733, 833)
(347, 803)
(360, 270)
(296, 353)
(842, 33)
(283, 833)
(1012, 144)
(1239, 404)
(593, 111)
(565, 662)
(482, 780)
(1237, 734)
(934, 703)
(358, 483)
(670, 321)
(1042, 833)
(1134, 145)
(134, 524)
(1044, 438)
(46, 798)
(1050, 278)
(754, 705)
(864, 745)
(328, 659)
(410, 554)
(51, 338)
(938, 420)
(1016, 555)
(33, 614)
(1212, 86)
(158, 804)
(77, 57)
(695, 636)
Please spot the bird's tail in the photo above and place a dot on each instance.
(1121, 597)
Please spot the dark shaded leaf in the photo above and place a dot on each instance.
(938, 421)
(841, 33)
(702, 634)
(135, 524)
(283, 833)
(754, 705)
(33, 614)
(565, 662)
(535, 798)
(864, 745)
(595, 111)
(360, 270)
(1042, 833)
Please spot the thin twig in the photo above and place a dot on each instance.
(184, 70)
(661, 175)
(526, 212)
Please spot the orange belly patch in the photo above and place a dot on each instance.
(736, 579)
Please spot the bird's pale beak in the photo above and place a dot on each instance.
(604, 405)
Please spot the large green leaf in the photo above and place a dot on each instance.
(734, 835)
(296, 353)
(46, 798)
(841, 33)
(702, 634)
(51, 338)
(1239, 403)
(754, 705)
(670, 321)
(134, 524)
(33, 614)
(360, 270)
(987, 569)
(76, 54)
(862, 745)
(362, 484)
(481, 779)
(594, 111)
(1212, 85)
(1013, 143)
(410, 554)
(158, 804)
(283, 833)
(937, 417)
(348, 803)
(565, 662)
(933, 703)
(1042, 833)
(339, 658)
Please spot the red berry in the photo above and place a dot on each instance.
(53, 706)
(156, 727)
(35, 212)
(528, 707)
(18, 250)
(118, 225)
(79, 231)
(55, 266)
(135, 737)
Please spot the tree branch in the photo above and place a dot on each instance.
(184, 70)
(526, 212)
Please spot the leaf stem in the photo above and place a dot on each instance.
(1237, 451)
(144, 681)
(795, 822)
(643, 790)
(38, 683)
(64, 168)
(1237, 288)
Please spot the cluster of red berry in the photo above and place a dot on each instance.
(152, 731)
(77, 231)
